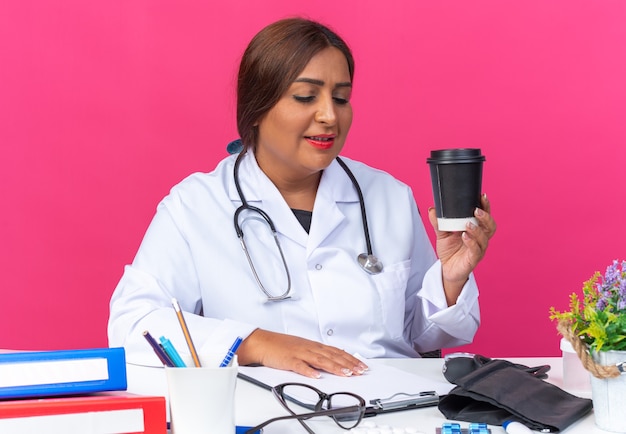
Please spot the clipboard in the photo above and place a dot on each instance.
(384, 388)
(402, 401)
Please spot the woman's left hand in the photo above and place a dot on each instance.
(460, 252)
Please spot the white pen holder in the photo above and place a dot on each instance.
(202, 400)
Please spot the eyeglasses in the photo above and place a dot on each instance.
(345, 408)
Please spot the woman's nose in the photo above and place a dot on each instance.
(326, 111)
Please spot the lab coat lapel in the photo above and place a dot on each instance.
(335, 186)
(259, 191)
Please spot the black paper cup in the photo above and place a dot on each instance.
(456, 176)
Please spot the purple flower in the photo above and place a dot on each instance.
(599, 288)
(621, 289)
(612, 273)
(607, 295)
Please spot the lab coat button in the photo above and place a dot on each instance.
(330, 332)
(318, 266)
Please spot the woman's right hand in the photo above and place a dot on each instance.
(291, 353)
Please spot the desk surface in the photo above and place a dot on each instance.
(254, 405)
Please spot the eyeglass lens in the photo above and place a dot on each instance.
(315, 400)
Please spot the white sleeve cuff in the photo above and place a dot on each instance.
(224, 335)
(436, 307)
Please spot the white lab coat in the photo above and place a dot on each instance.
(191, 252)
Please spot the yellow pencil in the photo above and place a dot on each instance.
(183, 325)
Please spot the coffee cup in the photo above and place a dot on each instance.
(456, 176)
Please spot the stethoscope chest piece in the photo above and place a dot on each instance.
(370, 263)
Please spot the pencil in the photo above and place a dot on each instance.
(183, 325)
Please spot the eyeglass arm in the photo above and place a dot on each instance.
(306, 416)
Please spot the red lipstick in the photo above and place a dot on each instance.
(321, 141)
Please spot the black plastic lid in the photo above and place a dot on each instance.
(454, 156)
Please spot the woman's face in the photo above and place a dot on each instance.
(306, 129)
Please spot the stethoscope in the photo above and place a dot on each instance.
(367, 261)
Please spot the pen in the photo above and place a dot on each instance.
(239, 429)
(231, 352)
(160, 352)
(422, 399)
(171, 352)
(183, 325)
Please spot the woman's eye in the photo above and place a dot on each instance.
(303, 99)
(308, 99)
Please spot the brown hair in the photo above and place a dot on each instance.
(272, 61)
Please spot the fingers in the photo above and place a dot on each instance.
(296, 354)
(484, 203)
(318, 357)
(476, 242)
(482, 215)
(485, 220)
(432, 216)
(476, 238)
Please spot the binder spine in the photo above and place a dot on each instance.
(64, 372)
(111, 412)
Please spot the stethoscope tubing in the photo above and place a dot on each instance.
(369, 258)
(357, 187)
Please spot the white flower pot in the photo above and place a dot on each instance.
(609, 394)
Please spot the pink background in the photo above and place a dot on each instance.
(105, 105)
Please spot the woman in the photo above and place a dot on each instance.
(293, 116)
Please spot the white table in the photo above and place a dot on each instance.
(255, 405)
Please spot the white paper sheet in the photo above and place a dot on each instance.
(379, 382)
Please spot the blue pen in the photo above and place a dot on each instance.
(231, 352)
(239, 429)
(171, 351)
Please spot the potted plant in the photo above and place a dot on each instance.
(596, 327)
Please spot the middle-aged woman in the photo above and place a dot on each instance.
(305, 304)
